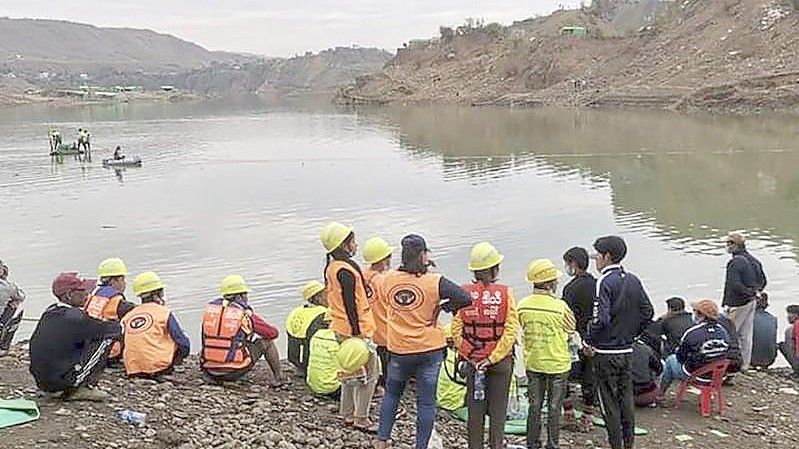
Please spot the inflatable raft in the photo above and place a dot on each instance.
(126, 162)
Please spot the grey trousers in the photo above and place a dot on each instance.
(744, 319)
(553, 386)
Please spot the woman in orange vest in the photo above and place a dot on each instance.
(350, 317)
(154, 340)
(234, 337)
(107, 302)
(484, 334)
(416, 343)
(377, 253)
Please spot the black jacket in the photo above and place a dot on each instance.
(764, 339)
(702, 344)
(744, 279)
(671, 326)
(622, 311)
(579, 295)
(646, 366)
(61, 339)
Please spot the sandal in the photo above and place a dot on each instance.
(369, 427)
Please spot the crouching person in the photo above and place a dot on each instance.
(154, 340)
(69, 349)
(235, 337)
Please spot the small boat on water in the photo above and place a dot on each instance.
(125, 162)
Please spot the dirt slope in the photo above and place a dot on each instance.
(736, 55)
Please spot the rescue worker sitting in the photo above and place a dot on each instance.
(68, 349)
(484, 334)
(451, 390)
(118, 156)
(107, 301)
(706, 342)
(303, 322)
(322, 371)
(154, 340)
(11, 298)
(234, 337)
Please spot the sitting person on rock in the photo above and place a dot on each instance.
(68, 349)
(790, 347)
(234, 337)
(764, 336)
(646, 370)
(154, 340)
(704, 343)
(303, 322)
(322, 372)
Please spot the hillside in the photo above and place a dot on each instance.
(731, 55)
(59, 45)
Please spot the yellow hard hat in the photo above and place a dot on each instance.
(333, 235)
(233, 284)
(112, 267)
(353, 353)
(312, 288)
(376, 249)
(484, 256)
(542, 270)
(146, 282)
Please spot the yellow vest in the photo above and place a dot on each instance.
(450, 395)
(543, 319)
(300, 319)
(322, 366)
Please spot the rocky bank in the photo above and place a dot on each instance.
(186, 411)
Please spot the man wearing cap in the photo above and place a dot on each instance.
(68, 349)
(622, 311)
(303, 322)
(704, 343)
(415, 342)
(743, 286)
(11, 298)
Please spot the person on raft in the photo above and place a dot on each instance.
(118, 156)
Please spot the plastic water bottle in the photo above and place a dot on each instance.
(133, 418)
(479, 385)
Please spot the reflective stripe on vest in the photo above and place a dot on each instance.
(322, 366)
(226, 327)
(148, 346)
(103, 304)
(339, 320)
(301, 318)
(413, 312)
(484, 320)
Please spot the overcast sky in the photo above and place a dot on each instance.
(283, 27)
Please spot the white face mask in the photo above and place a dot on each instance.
(570, 270)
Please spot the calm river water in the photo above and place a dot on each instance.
(245, 189)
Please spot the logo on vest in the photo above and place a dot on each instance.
(406, 297)
(140, 323)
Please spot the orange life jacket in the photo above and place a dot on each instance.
(484, 320)
(335, 301)
(226, 327)
(103, 303)
(413, 312)
(149, 348)
(375, 280)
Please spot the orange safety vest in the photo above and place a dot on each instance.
(413, 312)
(149, 348)
(103, 303)
(335, 301)
(226, 327)
(484, 320)
(375, 280)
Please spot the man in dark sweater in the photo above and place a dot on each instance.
(743, 286)
(764, 336)
(671, 326)
(69, 349)
(579, 295)
(622, 311)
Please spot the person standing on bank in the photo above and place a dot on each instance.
(416, 343)
(622, 310)
(484, 334)
(351, 316)
(743, 287)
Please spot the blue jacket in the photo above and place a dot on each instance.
(622, 311)
(702, 344)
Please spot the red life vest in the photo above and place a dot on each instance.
(226, 327)
(484, 320)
